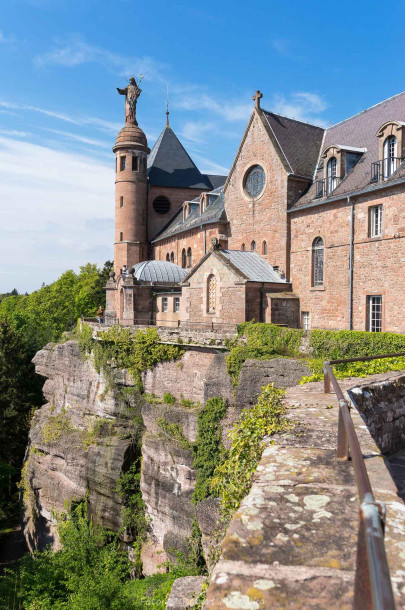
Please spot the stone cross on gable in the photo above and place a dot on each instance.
(257, 97)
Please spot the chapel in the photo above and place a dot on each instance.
(305, 231)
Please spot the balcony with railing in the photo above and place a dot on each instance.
(326, 186)
(384, 168)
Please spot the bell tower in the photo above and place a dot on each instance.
(131, 150)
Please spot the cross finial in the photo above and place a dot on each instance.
(257, 97)
(167, 106)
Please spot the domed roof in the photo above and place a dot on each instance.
(131, 135)
(159, 271)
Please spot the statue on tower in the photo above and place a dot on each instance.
(131, 92)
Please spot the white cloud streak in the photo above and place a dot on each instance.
(57, 213)
(230, 112)
(98, 123)
(303, 106)
(75, 52)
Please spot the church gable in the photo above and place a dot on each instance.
(256, 195)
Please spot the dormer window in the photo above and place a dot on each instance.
(391, 150)
(331, 180)
(390, 156)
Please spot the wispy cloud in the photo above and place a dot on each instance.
(52, 199)
(197, 131)
(282, 46)
(15, 133)
(210, 167)
(237, 111)
(303, 106)
(78, 138)
(75, 51)
(6, 39)
(101, 124)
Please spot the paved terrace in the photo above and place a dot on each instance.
(292, 544)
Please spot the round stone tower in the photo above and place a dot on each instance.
(131, 150)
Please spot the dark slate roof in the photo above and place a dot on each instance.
(170, 165)
(215, 212)
(216, 180)
(359, 131)
(299, 141)
(159, 271)
(253, 266)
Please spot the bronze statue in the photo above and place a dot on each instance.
(131, 92)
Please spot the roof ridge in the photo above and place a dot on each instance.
(284, 116)
(365, 110)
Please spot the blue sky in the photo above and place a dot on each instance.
(61, 60)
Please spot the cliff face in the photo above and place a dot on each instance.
(79, 442)
(83, 439)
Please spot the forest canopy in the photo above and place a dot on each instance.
(27, 323)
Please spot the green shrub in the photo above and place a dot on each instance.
(133, 508)
(336, 345)
(168, 398)
(88, 572)
(152, 399)
(232, 479)
(56, 426)
(208, 448)
(137, 352)
(174, 432)
(263, 341)
(333, 345)
(189, 404)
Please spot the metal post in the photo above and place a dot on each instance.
(342, 440)
(326, 379)
(362, 585)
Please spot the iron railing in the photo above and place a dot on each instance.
(162, 322)
(384, 168)
(326, 186)
(372, 588)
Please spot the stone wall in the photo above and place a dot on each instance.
(230, 294)
(382, 407)
(176, 196)
(198, 239)
(378, 261)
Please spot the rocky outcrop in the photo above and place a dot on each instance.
(79, 442)
(82, 440)
(184, 592)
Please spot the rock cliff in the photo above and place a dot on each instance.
(82, 440)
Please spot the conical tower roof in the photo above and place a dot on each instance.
(169, 164)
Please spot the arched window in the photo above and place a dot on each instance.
(243, 248)
(168, 257)
(317, 261)
(172, 257)
(189, 258)
(390, 156)
(183, 258)
(253, 246)
(211, 293)
(264, 247)
(331, 182)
